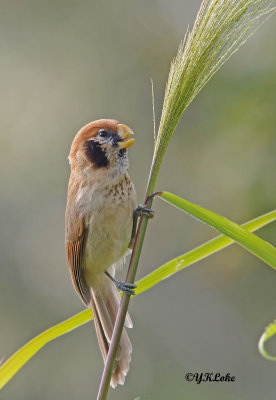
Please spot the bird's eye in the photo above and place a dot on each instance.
(103, 133)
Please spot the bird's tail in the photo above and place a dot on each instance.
(105, 305)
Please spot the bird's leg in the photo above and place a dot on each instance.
(124, 286)
(140, 211)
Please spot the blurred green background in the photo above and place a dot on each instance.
(66, 63)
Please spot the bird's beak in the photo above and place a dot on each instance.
(124, 132)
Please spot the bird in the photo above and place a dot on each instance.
(99, 226)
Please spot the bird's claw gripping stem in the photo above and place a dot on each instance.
(126, 287)
(141, 211)
(123, 286)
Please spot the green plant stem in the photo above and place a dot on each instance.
(121, 315)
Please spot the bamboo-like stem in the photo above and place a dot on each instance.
(133, 264)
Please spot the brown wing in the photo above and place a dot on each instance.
(75, 241)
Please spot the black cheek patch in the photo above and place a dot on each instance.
(96, 154)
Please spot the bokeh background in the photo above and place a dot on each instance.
(66, 63)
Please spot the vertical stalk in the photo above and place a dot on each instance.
(133, 264)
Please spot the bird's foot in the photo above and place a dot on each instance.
(142, 211)
(126, 287)
(123, 286)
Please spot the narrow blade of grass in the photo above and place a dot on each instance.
(197, 254)
(11, 366)
(259, 247)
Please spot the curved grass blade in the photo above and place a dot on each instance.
(259, 247)
(11, 366)
(270, 331)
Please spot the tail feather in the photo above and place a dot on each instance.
(105, 307)
(99, 331)
(104, 315)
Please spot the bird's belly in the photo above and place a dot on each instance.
(107, 241)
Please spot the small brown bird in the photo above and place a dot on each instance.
(99, 224)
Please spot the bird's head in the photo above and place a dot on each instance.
(102, 144)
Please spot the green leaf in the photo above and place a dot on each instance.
(17, 360)
(259, 247)
(270, 331)
(197, 254)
